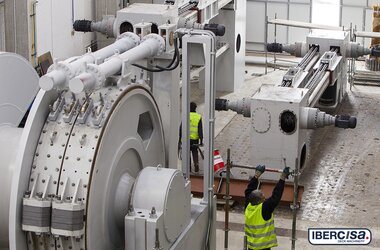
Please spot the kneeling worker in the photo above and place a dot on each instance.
(259, 218)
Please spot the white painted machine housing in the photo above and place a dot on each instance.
(97, 130)
(170, 195)
(270, 144)
(327, 39)
(140, 13)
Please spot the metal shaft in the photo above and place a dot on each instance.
(251, 167)
(245, 243)
(227, 201)
(157, 245)
(295, 206)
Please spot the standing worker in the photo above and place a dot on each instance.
(196, 135)
(259, 218)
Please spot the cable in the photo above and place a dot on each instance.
(176, 56)
(147, 69)
(176, 59)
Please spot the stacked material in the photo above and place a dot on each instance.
(373, 63)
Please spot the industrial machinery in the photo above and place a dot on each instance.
(282, 114)
(95, 166)
(163, 17)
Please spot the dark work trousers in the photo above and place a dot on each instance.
(194, 152)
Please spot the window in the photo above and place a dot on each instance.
(326, 12)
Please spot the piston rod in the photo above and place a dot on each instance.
(60, 73)
(95, 75)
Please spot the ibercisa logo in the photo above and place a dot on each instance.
(339, 236)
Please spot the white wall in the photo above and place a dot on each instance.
(54, 20)
(298, 10)
(357, 12)
(2, 27)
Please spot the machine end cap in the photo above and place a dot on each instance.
(82, 25)
(221, 104)
(274, 47)
(46, 83)
(345, 121)
(76, 85)
(217, 29)
(352, 122)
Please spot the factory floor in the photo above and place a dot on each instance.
(342, 177)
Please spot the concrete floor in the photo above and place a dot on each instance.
(341, 178)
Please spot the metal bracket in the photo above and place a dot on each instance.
(56, 108)
(85, 111)
(70, 111)
(67, 218)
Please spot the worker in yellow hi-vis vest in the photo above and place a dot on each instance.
(196, 135)
(259, 219)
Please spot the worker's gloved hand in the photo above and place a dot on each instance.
(285, 173)
(201, 144)
(260, 169)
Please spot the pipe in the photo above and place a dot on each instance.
(152, 45)
(318, 91)
(210, 118)
(34, 39)
(60, 73)
(273, 170)
(245, 245)
(227, 199)
(295, 206)
(72, 11)
(257, 60)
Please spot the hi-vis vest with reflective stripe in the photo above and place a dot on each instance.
(194, 122)
(260, 233)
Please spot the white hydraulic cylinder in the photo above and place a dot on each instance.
(151, 45)
(60, 73)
